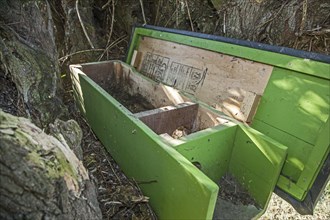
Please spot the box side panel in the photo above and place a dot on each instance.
(256, 161)
(211, 149)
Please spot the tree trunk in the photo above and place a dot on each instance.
(28, 53)
(291, 23)
(41, 178)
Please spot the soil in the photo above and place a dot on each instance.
(135, 103)
(234, 202)
(233, 192)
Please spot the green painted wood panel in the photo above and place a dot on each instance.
(141, 155)
(295, 103)
(211, 148)
(293, 110)
(298, 150)
(256, 161)
(294, 107)
(317, 157)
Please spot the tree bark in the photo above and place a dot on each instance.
(41, 178)
(28, 53)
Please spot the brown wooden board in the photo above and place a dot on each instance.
(163, 98)
(229, 84)
(169, 118)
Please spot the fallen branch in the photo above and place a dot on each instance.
(78, 52)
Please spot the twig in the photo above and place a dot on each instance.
(83, 27)
(157, 12)
(106, 4)
(310, 45)
(142, 9)
(191, 23)
(224, 23)
(279, 11)
(78, 52)
(170, 17)
(177, 13)
(135, 185)
(116, 42)
(112, 20)
(111, 167)
(302, 24)
(13, 23)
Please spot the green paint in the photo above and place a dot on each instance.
(253, 158)
(142, 155)
(165, 171)
(256, 161)
(289, 186)
(317, 157)
(211, 148)
(287, 148)
(293, 110)
(295, 103)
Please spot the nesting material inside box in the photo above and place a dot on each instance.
(163, 109)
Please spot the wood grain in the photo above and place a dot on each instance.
(229, 84)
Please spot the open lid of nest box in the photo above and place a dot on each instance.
(230, 84)
(281, 92)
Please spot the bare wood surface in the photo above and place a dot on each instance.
(224, 82)
(169, 118)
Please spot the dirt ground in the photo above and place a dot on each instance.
(233, 192)
(280, 209)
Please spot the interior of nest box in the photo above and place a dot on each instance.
(162, 108)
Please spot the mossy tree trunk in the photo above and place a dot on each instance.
(41, 178)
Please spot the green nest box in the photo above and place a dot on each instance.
(187, 113)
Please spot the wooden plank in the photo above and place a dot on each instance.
(222, 81)
(169, 118)
(136, 59)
